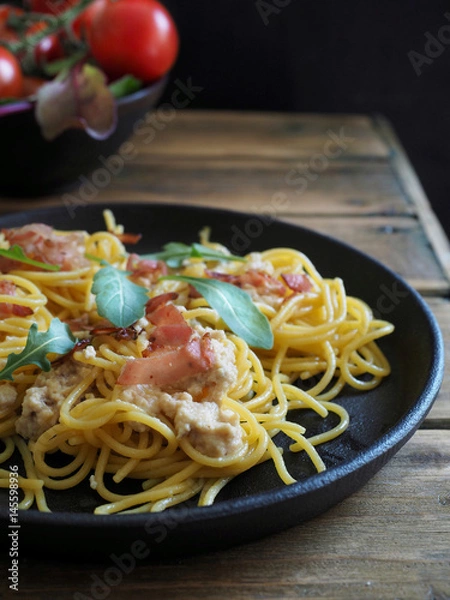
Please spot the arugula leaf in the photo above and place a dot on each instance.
(235, 307)
(119, 300)
(200, 251)
(101, 261)
(174, 253)
(58, 339)
(124, 86)
(16, 253)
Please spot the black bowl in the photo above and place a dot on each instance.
(32, 166)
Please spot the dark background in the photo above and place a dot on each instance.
(325, 56)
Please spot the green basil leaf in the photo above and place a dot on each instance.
(16, 253)
(235, 307)
(58, 339)
(174, 253)
(119, 300)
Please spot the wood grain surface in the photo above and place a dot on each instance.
(346, 176)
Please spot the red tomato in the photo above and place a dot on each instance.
(6, 10)
(49, 48)
(11, 79)
(83, 23)
(50, 7)
(7, 34)
(136, 37)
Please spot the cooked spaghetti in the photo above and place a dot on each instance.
(176, 400)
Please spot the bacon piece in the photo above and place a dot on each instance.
(128, 238)
(21, 311)
(171, 335)
(166, 314)
(79, 323)
(227, 277)
(171, 328)
(193, 293)
(167, 366)
(79, 345)
(261, 281)
(40, 242)
(120, 333)
(145, 269)
(297, 282)
(8, 309)
(157, 301)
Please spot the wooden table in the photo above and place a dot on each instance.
(346, 176)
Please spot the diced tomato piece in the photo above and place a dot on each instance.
(297, 282)
(167, 366)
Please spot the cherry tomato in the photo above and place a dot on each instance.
(7, 34)
(83, 23)
(5, 11)
(47, 49)
(50, 7)
(136, 37)
(11, 79)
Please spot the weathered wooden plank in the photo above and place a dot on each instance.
(252, 185)
(229, 134)
(440, 412)
(399, 243)
(342, 188)
(389, 540)
(413, 189)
